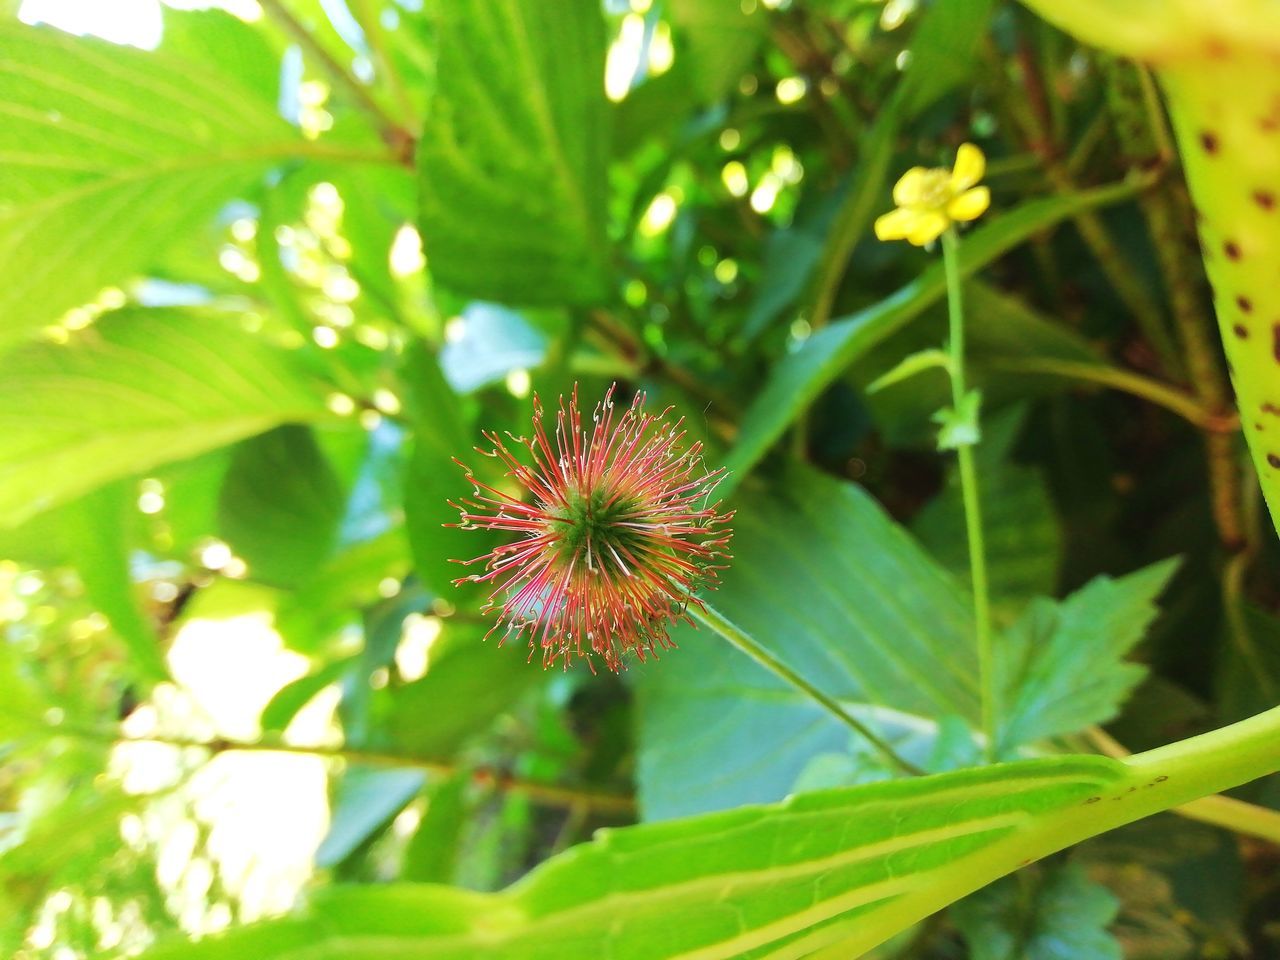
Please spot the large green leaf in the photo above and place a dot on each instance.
(513, 158)
(802, 376)
(138, 389)
(837, 872)
(109, 153)
(831, 585)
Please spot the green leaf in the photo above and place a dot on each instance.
(138, 389)
(1047, 914)
(432, 854)
(959, 426)
(95, 532)
(367, 801)
(909, 366)
(512, 169)
(720, 39)
(1063, 661)
(802, 376)
(839, 592)
(1020, 529)
(280, 505)
(110, 153)
(846, 867)
(944, 50)
(292, 697)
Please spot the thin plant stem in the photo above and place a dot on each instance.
(546, 793)
(972, 499)
(709, 617)
(1162, 394)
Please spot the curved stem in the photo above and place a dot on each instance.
(710, 617)
(972, 501)
(1171, 398)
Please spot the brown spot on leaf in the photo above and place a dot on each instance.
(1271, 408)
(1275, 341)
(1231, 249)
(1209, 140)
(1274, 460)
(1265, 199)
(1241, 331)
(1245, 304)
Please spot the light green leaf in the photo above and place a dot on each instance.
(95, 533)
(280, 505)
(109, 153)
(802, 376)
(838, 591)
(432, 855)
(138, 389)
(1048, 914)
(512, 163)
(841, 870)
(909, 366)
(959, 426)
(1063, 660)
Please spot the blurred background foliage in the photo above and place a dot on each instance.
(265, 269)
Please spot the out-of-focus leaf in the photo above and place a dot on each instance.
(469, 684)
(139, 389)
(432, 854)
(95, 535)
(512, 172)
(432, 478)
(292, 697)
(802, 376)
(367, 801)
(838, 591)
(719, 39)
(1023, 543)
(1047, 914)
(1063, 661)
(111, 152)
(840, 870)
(280, 505)
(944, 50)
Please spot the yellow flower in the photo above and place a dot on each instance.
(929, 201)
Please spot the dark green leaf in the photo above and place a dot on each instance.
(367, 801)
(513, 169)
(1048, 914)
(280, 505)
(802, 376)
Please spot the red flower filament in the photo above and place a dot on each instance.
(615, 533)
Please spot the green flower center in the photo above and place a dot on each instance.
(593, 519)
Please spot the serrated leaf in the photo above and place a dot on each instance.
(1046, 915)
(1064, 660)
(280, 505)
(512, 168)
(138, 389)
(110, 152)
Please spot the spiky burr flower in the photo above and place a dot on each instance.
(614, 532)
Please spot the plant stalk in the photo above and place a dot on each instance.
(972, 501)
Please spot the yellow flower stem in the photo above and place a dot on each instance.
(972, 500)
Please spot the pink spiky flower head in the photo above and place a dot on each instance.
(614, 532)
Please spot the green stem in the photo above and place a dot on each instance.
(1171, 398)
(972, 499)
(710, 617)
